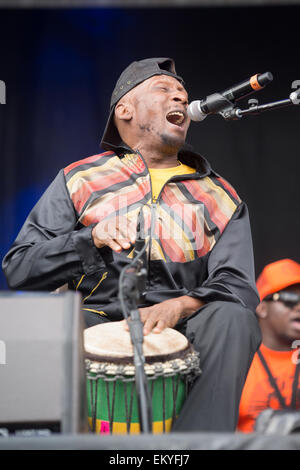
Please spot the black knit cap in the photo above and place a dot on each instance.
(133, 75)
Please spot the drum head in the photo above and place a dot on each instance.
(111, 342)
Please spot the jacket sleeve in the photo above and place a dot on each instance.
(50, 250)
(231, 274)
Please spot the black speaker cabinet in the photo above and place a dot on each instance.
(42, 372)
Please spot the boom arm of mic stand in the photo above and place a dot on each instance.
(236, 113)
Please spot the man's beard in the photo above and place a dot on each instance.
(172, 144)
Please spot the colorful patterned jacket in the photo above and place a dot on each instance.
(198, 230)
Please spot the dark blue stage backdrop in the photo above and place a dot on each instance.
(60, 66)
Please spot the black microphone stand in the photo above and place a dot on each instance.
(132, 285)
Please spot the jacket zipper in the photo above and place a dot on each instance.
(152, 210)
(152, 215)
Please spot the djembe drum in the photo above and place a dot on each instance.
(171, 364)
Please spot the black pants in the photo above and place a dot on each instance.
(226, 335)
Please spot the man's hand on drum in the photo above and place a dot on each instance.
(160, 316)
(166, 314)
(117, 233)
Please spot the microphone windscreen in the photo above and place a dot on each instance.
(194, 111)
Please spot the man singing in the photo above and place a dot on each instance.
(200, 259)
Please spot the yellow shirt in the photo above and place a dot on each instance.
(159, 176)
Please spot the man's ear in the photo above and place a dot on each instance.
(124, 111)
(262, 310)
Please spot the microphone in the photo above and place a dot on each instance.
(198, 110)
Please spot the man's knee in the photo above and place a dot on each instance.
(234, 312)
(226, 316)
(228, 329)
(227, 311)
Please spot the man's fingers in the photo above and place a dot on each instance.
(153, 321)
(126, 230)
(160, 316)
(154, 324)
(160, 326)
(121, 239)
(118, 238)
(148, 325)
(114, 245)
(118, 234)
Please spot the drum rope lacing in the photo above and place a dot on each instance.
(111, 372)
(187, 367)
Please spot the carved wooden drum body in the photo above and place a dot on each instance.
(171, 365)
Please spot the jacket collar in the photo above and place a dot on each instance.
(186, 155)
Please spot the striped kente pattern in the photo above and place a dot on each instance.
(186, 221)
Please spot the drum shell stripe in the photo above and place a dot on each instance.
(135, 428)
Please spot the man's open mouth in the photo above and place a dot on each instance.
(176, 117)
(295, 322)
(295, 319)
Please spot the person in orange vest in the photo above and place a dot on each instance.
(273, 378)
